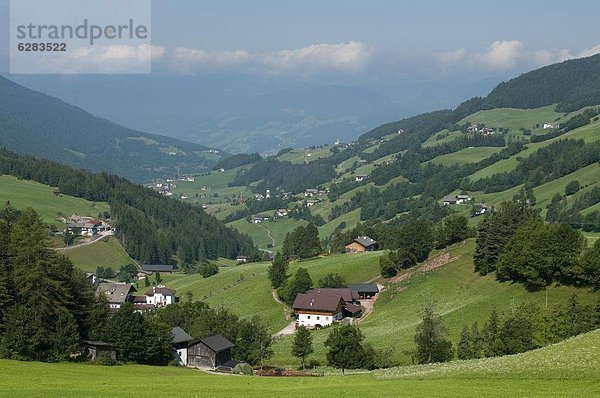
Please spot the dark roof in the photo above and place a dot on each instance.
(352, 308)
(364, 241)
(139, 299)
(316, 302)
(99, 343)
(161, 289)
(449, 199)
(364, 288)
(344, 293)
(180, 336)
(158, 267)
(217, 343)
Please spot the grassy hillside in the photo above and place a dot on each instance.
(460, 295)
(306, 155)
(23, 194)
(106, 252)
(269, 234)
(564, 370)
(467, 155)
(245, 289)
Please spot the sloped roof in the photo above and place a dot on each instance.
(165, 291)
(352, 308)
(449, 199)
(344, 293)
(158, 267)
(364, 241)
(116, 292)
(217, 343)
(315, 302)
(365, 288)
(180, 336)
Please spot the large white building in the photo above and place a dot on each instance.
(159, 296)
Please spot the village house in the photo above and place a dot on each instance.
(312, 202)
(360, 245)
(360, 178)
(259, 218)
(311, 192)
(241, 259)
(181, 341)
(91, 277)
(488, 131)
(281, 213)
(456, 199)
(150, 269)
(364, 290)
(160, 296)
(323, 306)
(117, 294)
(551, 126)
(211, 352)
(449, 200)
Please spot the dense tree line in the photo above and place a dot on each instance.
(151, 227)
(250, 336)
(527, 327)
(302, 242)
(45, 303)
(241, 159)
(559, 210)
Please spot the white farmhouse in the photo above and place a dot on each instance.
(160, 296)
(313, 310)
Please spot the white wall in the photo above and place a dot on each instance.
(311, 320)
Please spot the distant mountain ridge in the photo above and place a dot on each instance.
(43, 126)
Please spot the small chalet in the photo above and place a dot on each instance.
(361, 244)
(241, 259)
(160, 296)
(56, 192)
(456, 199)
(360, 178)
(449, 200)
(211, 352)
(260, 218)
(181, 341)
(91, 277)
(365, 290)
(281, 213)
(93, 350)
(460, 199)
(117, 293)
(160, 268)
(311, 202)
(311, 192)
(551, 126)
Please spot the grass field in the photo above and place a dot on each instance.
(460, 296)
(107, 252)
(514, 119)
(467, 155)
(215, 183)
(269, 232)
(245, 289)
(23, 194)
(568, 369)
(587, 133)
(302, 155)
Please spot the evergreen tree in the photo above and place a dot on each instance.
(277, 272)
(492, 345)
(431, 339)
(300, 283)
(590, 264)
(466, 346)
(302, 346)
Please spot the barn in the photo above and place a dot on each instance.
(361, 244)
(210, 352)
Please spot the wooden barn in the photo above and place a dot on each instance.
(94, 350)
(211, 352)
(361, 244)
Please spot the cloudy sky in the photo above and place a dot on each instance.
(369, 40)
(390, 39)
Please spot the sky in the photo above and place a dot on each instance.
(371, 41)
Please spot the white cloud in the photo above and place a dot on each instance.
(190, 59)
(349, 57)
(503, 54)
(346, 57)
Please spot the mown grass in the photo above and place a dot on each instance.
(464, 156)
(301, 155)
(567, 369)
(460, 295)
(216, 183)
(23, 194)
(107, 252)
(246, 290)
(259, 233)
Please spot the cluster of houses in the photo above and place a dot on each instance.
(212, 352)
(323, 306)
(482, 130)
(86, 226)
(118, 294)
(456, 199)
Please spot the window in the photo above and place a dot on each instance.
(308, 317)
(318, 318)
